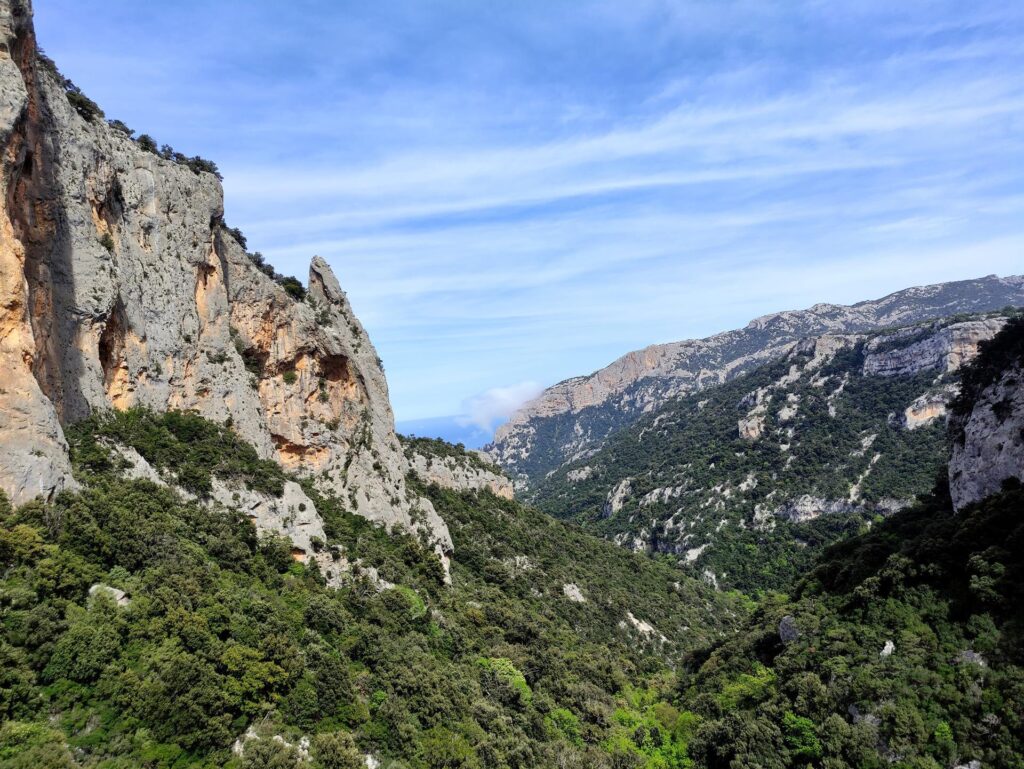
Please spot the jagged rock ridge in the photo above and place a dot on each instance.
(766, 468)
(574, 418)
(121, 287)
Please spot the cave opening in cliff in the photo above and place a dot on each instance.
(111, 345)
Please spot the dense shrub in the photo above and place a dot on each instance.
(224, 630)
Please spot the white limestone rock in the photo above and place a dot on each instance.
(645, 379)
(572, 591)
(944, 351)
(617, 497)
(460, 474)
(120, 597)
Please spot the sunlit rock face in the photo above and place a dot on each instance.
(573, 419)
(121, 287)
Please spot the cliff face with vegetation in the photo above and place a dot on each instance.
(198, 452)
(988, 422)
(121, 287)
(744, 483)
(574, 418)
(902, 647)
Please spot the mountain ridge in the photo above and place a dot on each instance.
(744, 483)
(575, 416)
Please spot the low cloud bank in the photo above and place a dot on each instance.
(496, 405)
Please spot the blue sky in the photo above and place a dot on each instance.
(514, 193)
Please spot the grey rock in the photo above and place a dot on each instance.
(293, 515)
(788, 631)
(120, 597)
(34, 453)
(572, 591)
(867, 719)
(460, 475)
(988, 447)
(807, 508)
(971, 657)
(617, 497)
(944, 351)
(120, 287)
(645, 379)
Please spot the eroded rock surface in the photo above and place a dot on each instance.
(120, 286)
(945, 350)
(989, 445)
(460, 474)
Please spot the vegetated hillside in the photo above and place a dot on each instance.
(144, 624)
(903, 648)
(746, 481)
(574, 418)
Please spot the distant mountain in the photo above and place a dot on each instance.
(745, 482)
(451, 429)
(574, 418)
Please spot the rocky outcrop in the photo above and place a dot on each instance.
(810, 436)
(460, 474)
(35, 456)
(928, 407)
(945, 350)
(988, 447)
(575, 417)
(121, 287)
(119, 597)
(807, 508)
(617, 497)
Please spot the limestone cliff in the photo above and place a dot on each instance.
(789, 457)
(574, 418)
(435, 461)
(988, 422)
(121, 287)
(453, 473)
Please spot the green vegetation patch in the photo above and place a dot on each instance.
(191, 449)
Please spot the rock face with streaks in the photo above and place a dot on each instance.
(574, 418)
(943, 351)
(120, 286)
(988, 440)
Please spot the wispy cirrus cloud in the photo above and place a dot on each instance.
(523, 194)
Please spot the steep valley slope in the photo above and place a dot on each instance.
(573, 419)
(745, 482)
(903, 647)
(216, 553)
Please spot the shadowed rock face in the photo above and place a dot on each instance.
(989, 441)
(573, 419)
(120, 287)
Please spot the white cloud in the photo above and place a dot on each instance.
(498, 404)
(673, 169)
